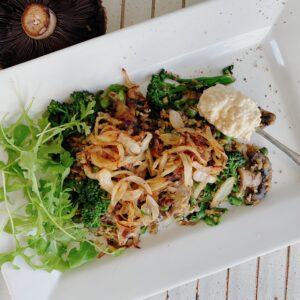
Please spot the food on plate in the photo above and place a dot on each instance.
(230, 111)
(29, 29)
(102, 169)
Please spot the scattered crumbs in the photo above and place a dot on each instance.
(280, 171)
(291, 12)
(276, 182)
(267, 69)
(247, 53)
(245, 79)
(255, 65)
(283, 3)
(276, 91)
(270, 85)
(266, 95)
(290, 127)
(260, 56)
(124, 57)
(205, 32)
(284, 22)
(220, 13)
(267, 106)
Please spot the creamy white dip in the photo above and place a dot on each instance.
(231, 112)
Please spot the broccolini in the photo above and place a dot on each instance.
(166, 90)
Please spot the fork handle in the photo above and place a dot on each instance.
(289, 152)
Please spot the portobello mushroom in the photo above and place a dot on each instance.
(32, 28)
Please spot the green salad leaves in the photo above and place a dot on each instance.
(52, 240)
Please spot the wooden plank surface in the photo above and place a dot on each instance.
(114, 10)
(163, 7)
(213, 287)
(274, 276)
(293, 286)
(137, 11)
(184, 292)
(242, 281)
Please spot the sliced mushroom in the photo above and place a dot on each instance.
(258, 164)
(249, 179)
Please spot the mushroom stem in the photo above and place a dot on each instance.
(38, 21)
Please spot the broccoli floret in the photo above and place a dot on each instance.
(58, 113)
(91, 214)
(161, 93)
(207, 194)
(91, 199)
(211, 216)
(235, 161)
(90, 192)
(82, 107)
(165, 94)
(82, 96)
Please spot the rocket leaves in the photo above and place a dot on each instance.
(42, 224)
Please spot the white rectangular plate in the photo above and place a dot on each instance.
(261, 39)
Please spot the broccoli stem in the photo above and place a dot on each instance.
(208, 81)
(226, 78)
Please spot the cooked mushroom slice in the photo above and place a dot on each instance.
(267, 118)
(258, 176)
(29, 29)
(249, 179)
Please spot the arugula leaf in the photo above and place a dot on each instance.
(118, 252)
(84, 254)
(38, 165)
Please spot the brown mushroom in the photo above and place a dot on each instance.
(267, 118)
(29, 29)
(249, 179)
(260, 169)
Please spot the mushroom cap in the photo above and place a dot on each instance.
(76, 21)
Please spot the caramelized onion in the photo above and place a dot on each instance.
(176, 119)
(223, 192)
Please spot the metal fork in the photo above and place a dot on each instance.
(289, 152)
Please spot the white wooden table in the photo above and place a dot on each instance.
(274, 276)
